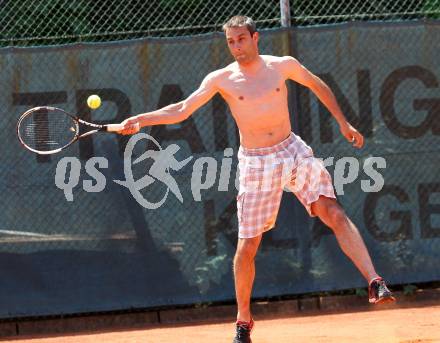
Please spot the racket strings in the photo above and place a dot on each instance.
(46, 130)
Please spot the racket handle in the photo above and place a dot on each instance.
(116, 127)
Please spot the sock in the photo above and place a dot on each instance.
(376, 278)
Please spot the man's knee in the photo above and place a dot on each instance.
(336, 216)
(330, 212)
(247, 248)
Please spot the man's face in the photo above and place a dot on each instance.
(241, 44)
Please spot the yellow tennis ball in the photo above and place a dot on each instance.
(94, 101)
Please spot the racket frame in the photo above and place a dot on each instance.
(76, 121)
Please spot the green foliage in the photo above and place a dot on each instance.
(432, 8)
(361, 292)
(44, 22)
(409, 289)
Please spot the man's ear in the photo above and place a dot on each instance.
(256, 37)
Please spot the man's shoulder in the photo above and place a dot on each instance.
(220, 74)
(277, 60)
(271, 58)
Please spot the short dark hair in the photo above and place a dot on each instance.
(240, 21)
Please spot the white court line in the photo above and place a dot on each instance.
(25, 236)
(23, 233)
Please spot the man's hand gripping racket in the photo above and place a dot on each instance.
(129, 126)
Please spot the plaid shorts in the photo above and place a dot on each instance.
(265, 172)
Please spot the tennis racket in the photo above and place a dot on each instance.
(47, 130)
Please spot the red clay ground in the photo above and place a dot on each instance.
(402, 325)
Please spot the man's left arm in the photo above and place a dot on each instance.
(297, 72)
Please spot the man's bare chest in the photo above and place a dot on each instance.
(253, 89)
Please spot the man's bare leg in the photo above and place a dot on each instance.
(347, 235)
(244, 274)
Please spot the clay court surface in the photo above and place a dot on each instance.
(420, 324)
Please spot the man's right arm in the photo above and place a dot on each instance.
(174, 113)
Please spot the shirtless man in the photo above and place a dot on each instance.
(254, 86)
